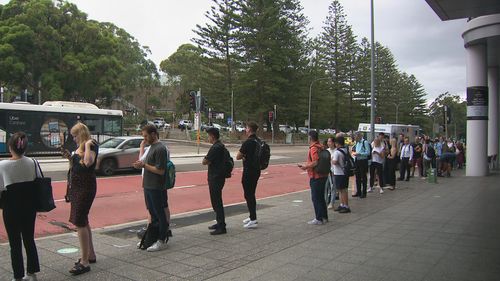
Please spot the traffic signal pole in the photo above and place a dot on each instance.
(198, 117)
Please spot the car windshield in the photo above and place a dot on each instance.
(111, 143)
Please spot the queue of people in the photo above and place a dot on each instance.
(379, 159)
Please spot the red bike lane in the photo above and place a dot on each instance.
(120, 200)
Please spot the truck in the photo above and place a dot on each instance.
(392, 130)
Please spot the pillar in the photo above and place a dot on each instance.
(477, 111)
(493, 112)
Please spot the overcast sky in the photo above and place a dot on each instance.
(422, 44)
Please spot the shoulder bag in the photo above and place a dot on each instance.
(44, 198)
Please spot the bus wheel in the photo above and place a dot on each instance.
(108, 167)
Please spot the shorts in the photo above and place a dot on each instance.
(341, 182)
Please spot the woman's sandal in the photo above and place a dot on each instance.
(90, 261)
(79, 269)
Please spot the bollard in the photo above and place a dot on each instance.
(432, 175)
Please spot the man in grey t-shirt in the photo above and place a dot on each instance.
(153, 183)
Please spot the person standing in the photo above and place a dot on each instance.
(82, 192)
(391, 162)
(360, 154)
(316, 181)
(341, 180)
(153, 183)
(378, 156)
(249, 153)
(216, 179)
(417, 158)
(331, 179)
(18, 196)
(406, 155)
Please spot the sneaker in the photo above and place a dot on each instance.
(157, 246)
(345, 210)
(139, 245)
(218, 231)
(391, 187)
(213, 227)
(30, 277)
(330, 206)
(338, 209)
(324, 221)
(381, 191)
(315, 222)
(370, 189)
(245, 221)
(251, 224)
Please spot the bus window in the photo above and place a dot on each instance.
(112, 126)
(94, 124)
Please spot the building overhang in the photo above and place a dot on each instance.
(460, 9)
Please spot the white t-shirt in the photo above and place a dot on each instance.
(331, 150)
(376, 157)
(339, 157)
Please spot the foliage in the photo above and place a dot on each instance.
(51, 46)
(457, 113)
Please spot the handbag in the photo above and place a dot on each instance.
(67, 197)
(44, 199)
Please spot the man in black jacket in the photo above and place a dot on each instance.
(216, 179)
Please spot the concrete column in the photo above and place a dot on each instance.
(477, 119)
(493, 111)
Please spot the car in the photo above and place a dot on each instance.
(185, 124)
(240, 128)
(303, 130)
(285, 129)
(118, 153)
(159, 122)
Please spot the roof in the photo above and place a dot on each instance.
(459, 9)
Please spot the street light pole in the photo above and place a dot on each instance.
(310, 97)
(372, 96)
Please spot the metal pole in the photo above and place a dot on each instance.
(1, 94)
(446, 121)
(198, 105)
(272, 124)
(372, 96)
(310, 95)
(232, 110)
(39, 92)
(397, 112)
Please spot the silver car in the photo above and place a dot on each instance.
(118, 153)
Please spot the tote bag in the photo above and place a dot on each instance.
(44, 199)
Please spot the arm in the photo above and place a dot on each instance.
(89, 155)
(239, 156)
(153, 169)
(141, 148)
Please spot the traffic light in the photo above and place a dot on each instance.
(271, 116)
(192, 100)
(204, 104)
(446, 115)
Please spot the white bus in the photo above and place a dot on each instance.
(392, 130)
(47, 125)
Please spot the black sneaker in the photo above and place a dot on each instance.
(218, 231)
(362, 196)
(355, 195)
(169, 233)
(345, 210)
(213, 227)
(338, 209)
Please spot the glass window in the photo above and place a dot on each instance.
(94, 124)
(112, 126)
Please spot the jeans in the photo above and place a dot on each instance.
(155, 202)
(330, 183)
(215, 187)
(318, 197)
(249, 182)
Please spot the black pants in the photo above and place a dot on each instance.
(249, 182)
(390, 171)
(318, 197)
(376, 167)
(215, 187)
(155, 203)
(404, 168)
(361, 178)
(20, 228)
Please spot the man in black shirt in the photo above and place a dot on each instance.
(216, 179)
(249, 152)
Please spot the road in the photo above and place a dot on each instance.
(120, 200)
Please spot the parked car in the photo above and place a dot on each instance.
(185, 124)
(303, 130)
(285, 129)
(118, 153)
(159, 122)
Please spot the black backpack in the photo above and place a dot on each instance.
(324, 162)
(264, 154)
(149, 237)
(228, 163)
(349, 167)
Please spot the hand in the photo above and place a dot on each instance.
(138, 164)
(65, 153)
(143, 143)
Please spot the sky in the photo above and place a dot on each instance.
(422, 44)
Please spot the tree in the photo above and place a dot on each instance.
(458, 109)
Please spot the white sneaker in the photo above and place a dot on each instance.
(157, 246)
(138, 244)
(30, 277)
(370, 189)
(330, 206)
(251, 224)
(245, 221)
(315, 222)
(381, 191)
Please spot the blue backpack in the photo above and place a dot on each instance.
(170, 175)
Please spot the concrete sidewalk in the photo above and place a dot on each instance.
(421, 231)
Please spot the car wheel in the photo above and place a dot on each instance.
(108, 167)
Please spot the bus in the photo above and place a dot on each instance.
(392, 130)
(47, 125)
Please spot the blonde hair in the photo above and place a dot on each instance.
(377, 142)
(83, 133)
